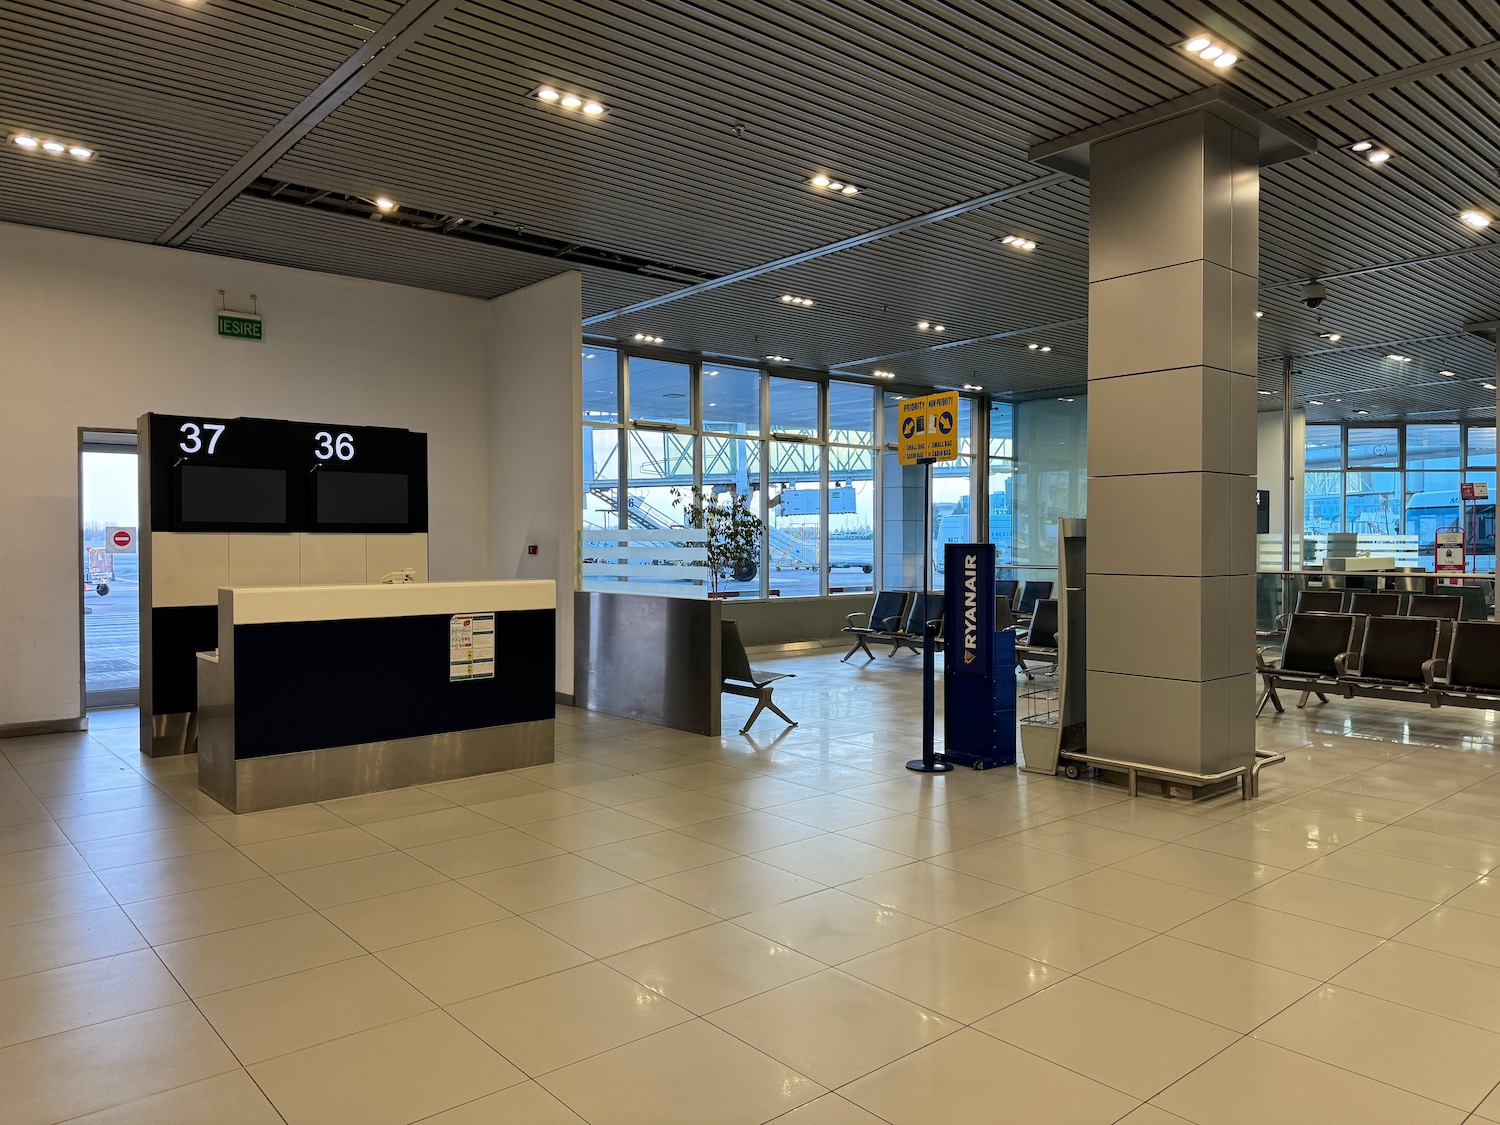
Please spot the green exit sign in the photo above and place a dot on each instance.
(239, 326)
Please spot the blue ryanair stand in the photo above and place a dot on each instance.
(979, 678)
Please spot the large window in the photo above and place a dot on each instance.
(851, 487)
(1002, 473)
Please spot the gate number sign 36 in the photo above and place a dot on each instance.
(192, 432)
(329, 446)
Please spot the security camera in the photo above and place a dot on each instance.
(1314, 293)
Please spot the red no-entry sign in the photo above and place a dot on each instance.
(120, 540)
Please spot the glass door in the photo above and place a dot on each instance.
(108, 506)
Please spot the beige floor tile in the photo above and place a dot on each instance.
(830, 1109)
(370, 807)
(833, 1026)
(1458, 822)
(123, 822)
(548, 1023)
(1218, 987)
(1088, 842)
(51, 943)
(931, 893)
(408, 916)
(831, 859)
(1012, 865)
(1149, 903)
(1156, 820)
(1427, 881)
(1462, 933)
(353, 879)
(1482, 897)
(735, 886)
(481, 959)
(621, 790)
(123, 851)
(109, 1063)
(710, 968)
(432, 827)
(1253, 1083)
(832, 812)
(1278, 849)
(40, 865)
(388, 1075)
(591, 829)
(1131, 1044)
(547, 804)
(181, 873)
(970, 1076)
(1477, 856)
(953, 975)
(472, 855)
(699, 775)
(232, 958)
(1340, 904)
(52, 898)
(991, 817)
(615, 921)
(294, 853)
(525, 1103)
(225, 907)
(231, 1098)
(31, 836)
(88, 992)
(915, 836)
(678, 810)
(1440, 983)
(1283, 941)
(1059, 935)
(525, 887)
(759, 792)
(273, 824)
(747, 832)
(1436, 1058)
(1150, 1115)
(832, 926)
(1204, 871)
(657, 855)
(484, 787)
(1358, 805)
(275, 1017)
(567, 771)
(686, 1075)
(1330, 828)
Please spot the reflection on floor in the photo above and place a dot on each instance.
(666, 928)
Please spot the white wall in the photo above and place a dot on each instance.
(95, 332)
(535, 474)
(1269, 470)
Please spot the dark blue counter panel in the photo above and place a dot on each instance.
(309, 685)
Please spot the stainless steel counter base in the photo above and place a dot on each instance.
(171, 734)
(251, 784)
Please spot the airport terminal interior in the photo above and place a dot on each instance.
(718, 562)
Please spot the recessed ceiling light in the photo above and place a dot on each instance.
(1064, 400)
(1488, 386)
(1449, 374)
(778, 359)
(54, 146)
(50, 145)
(1378, 156)
(1259, 314)
(1477, 219)
(1331, 337)
(789, 299)
(1016, 242)
(1210, 50)
(1361, 146)
(879, 374)
(929, 326)
(1361, 412)
(1314, 402)
(1394, 358)
(569, 100)
(593, 109)
(825, 182)
(25, 141)
(547, 94)
(80, 152)
(647, 338)
(384, 204)
(972, 387)
(1265, 392)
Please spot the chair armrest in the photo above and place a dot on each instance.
(1281, 621)
(1261, 663)
(892, 624)
(1342, 660)
(1431, 670)
(849, 617)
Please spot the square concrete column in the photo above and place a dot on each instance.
(1173, 265)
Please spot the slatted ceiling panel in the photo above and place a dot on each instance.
(168, 94)
(1350, 380)
(269, 232)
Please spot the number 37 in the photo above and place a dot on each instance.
(330, 446)
(192, 436)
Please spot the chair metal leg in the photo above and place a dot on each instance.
(859, 643)
(791, 722)
(1302, 700)
(1270, 693)
(760, 705)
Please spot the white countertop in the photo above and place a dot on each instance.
(256, 605)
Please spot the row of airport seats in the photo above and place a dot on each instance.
(898, 617)
(1388, 603)
(1040, 642)
(1430, 657)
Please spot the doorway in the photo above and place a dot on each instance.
(108, 508)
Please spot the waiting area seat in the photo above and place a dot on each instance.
(1007, 588)
(1470, 677)
(882, 621)
(1314, 601)
(1041, 638)
(1375, 604)
(1394, 651)
(1031, 593)
(927, 612)
(1312, 644)
(741, 679)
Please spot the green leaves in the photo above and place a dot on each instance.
(733, 531)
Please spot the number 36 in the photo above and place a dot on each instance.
(330, 446)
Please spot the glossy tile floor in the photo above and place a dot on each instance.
(666, 928)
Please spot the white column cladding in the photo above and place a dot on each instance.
(1173, 266)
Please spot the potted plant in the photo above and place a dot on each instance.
(733, 534)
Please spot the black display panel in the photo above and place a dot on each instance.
(212, 495)
(366, 499)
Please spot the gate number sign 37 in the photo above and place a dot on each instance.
(192, 432)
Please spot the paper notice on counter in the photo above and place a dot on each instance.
(471, 646)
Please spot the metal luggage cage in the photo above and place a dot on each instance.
(1249, 776)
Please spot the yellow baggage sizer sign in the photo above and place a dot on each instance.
(929, 429)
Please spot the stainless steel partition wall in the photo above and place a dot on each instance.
(649, 658)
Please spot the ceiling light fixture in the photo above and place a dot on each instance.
(825, 182)
(1265, 392)
(1212, 51)
(1372, 152)
(1488, 386)
(929, 326)
(384, 204)
(972, 387)
(646, 338)
(788, 299)
(25, 141)
(1449, 374)
(1361, 146)
(1331, 337)
(1016, 242)
(1394, 358)
(778, 359)
(879, 374)
(1259, 314)
(1477, 219)
(1361, 412)
(50, 145)
(568, 100)
(1039, 347)
(1314, 402)
(54, 147)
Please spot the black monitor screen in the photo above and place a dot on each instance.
(231, 494)
(362, 498)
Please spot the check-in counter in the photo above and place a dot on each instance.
(318, 692)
